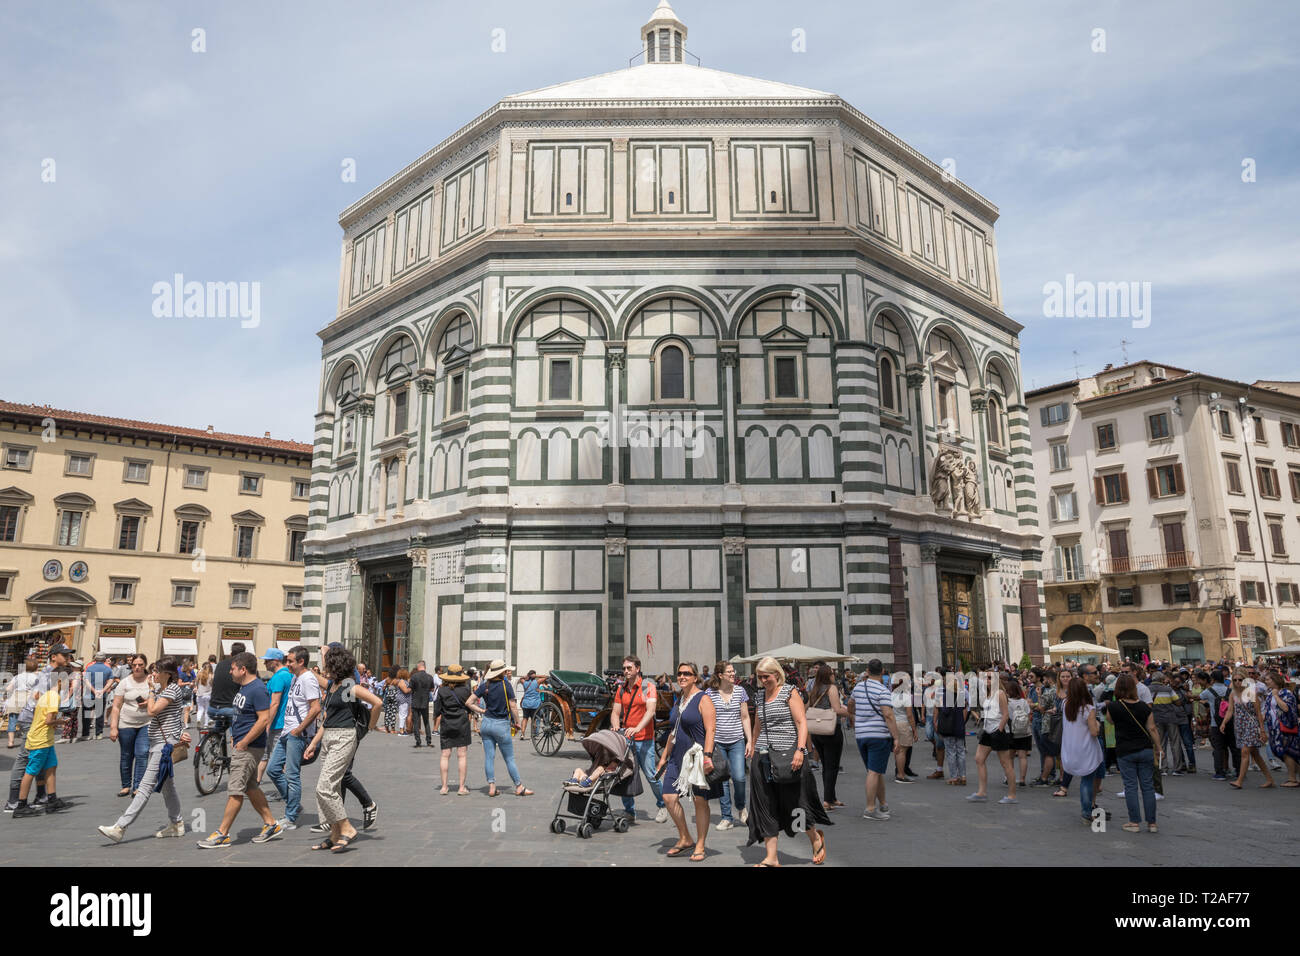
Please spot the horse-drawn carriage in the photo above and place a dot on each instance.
(576, 702)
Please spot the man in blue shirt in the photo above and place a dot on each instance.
(252, 706)
(277, 685)
(97, 685)
(1213, 692)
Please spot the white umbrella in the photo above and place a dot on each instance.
(1080, 647)
(799, 653)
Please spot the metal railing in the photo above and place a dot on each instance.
(1067, 575)
(1136, 563)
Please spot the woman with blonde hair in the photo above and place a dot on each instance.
(203, 694)
(1247, 718)
(403, 701)
(780, 792)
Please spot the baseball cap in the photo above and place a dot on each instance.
(61, 649)
(273, 654)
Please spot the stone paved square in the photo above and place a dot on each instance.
(932, 824)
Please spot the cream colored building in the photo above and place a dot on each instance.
(1171, 511)
(660, 362)
(153, 538)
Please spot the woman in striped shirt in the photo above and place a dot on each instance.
(165, 732)
(731, 703)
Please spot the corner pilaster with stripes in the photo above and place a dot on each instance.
(313, 585)
(866, 553)
(483, 615)
(1027, 513)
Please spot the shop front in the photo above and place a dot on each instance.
(239, 634)
(17, 643)
(287, 638)
(117, 640)
(180, 641)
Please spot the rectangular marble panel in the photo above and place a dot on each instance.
(559, 458)
(697, 636)
(644, 173)
(653, 638)
(789, 454)
(758, 456)
(746, 176)
(534, 641)
(753, 388)
(774, 626)
(569, 161)
(674, 569)
(800, 179)
(706, 380)
(792, 565)
(449, 636)
(577, 639)
(824, 567)
(543, 185)
(450, 199)
(670, 178)
(588, 570)
(593, 380)
(526, 381)
(597, 175)
(702, 456)
(762, 569)
(820, 380)
(557, 569)
(643, 569)
(705, 573)
(773, 179)
(590, 460)
(464, 205)
(526, 574)
(697, 167)
(817, 626)
(479, 210)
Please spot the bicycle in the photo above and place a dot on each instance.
(212, 758)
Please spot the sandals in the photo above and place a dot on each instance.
(342, 845)
(757, 865)
(697, 856)
(522, 791)
(444, 791)
(679, 850)
(937, 775)
(1291, 784)
(462, 792)
(1131, 828)
(1234, 786)
(324, 845)
(820, 851)
(125, 792)
(1061, 792)
(492, 790)
(1152, 828)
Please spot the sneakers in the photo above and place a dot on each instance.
(176, 829)
(369, 815)
(55, 805)
(1120, 794)
(884, 808)
(319, 828)
(1217, 776)
(744, 815)
(27, 810)
(875, 815)
(12, 805)
(1008, 800)
(725, 825)
(114, 833)
(286, 824)
(1160, 796)
(216, 840)
(662, 815)
(1176, 773)
(99, 736)
(977, 798)
(269, 832)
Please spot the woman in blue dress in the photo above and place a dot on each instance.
(1283, 722)
(694, 721)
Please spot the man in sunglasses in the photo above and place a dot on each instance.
(634, 715)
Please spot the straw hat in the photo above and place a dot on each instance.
(496, 669)
(454, 674)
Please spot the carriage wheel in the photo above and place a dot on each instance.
(548, 729)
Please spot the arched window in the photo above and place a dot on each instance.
(888, 391)
(997, 409)
(349, 385)
(672, 372)
(459, 333)
(401, 354)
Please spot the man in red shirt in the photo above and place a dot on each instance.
(634, 714)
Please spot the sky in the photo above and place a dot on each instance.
(128, 156)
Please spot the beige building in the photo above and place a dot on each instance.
(151, 538)
(1171, 514)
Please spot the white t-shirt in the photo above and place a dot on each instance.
(304, 689)
(129, 714)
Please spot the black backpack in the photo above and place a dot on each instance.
(950, 722)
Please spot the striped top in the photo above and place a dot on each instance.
(729, 729)
(165, 728)
(870, 698)
(779, 731)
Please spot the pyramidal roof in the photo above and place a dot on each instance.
(671, 81)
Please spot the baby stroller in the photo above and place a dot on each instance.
(589, 805)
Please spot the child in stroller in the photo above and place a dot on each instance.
(584, 780)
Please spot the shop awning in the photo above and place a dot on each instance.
(181, 646)
(227, 642)
(114, 646)
(287, 646)
(41, 628)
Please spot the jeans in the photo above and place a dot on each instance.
(645, 759)
(830, 751)
(495, 732)
(1138, 772)
(1224, 745)
(133, 744)
(1189, 744)
(954, 757)
(1087, 786)
(145, 790)
(285, 771)
(421, 714)
(736, 785)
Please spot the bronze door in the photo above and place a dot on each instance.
(956, 593)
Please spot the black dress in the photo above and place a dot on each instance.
(450, 703)
(772, 806)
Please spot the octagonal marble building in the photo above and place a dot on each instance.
(668, 361)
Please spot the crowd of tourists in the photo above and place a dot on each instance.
(767, 750)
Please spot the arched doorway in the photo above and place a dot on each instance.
(1078, 632)
(1133, 644)
(1186, 645)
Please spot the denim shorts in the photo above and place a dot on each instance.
(875, 752)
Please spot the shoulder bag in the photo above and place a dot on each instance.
(777, 764)
(821, 721)
(721, 766)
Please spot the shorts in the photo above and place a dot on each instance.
(530, 712)
(39, 761)
(243, 769)
(1022, 743)
(998, 740)
(875, 752)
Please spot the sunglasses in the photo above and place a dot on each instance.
(685, 673)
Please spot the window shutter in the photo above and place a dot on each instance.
(1112, 597)
(1099, 487)
(1178, 479)
(1167, 593)
(1042, 414)
(1137, 595)
(1153, 489)
(1295, 486)
(1194, 592)
(1243, 592)
(1123, 486)
(1260, 479)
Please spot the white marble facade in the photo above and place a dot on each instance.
(659, 362)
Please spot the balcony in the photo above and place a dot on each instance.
(1068, 575)
(1141, 563)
